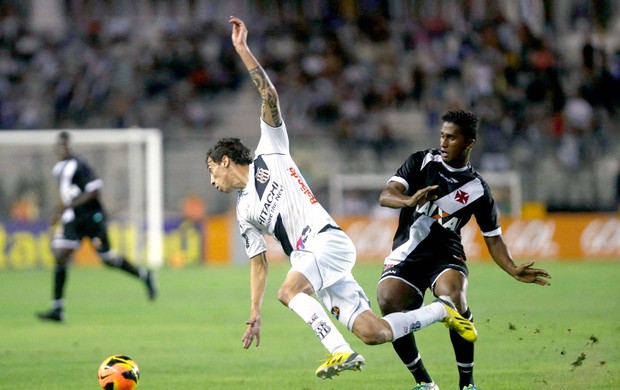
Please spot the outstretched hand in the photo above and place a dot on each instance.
(252, 332)
(239, 31)
(526, 274)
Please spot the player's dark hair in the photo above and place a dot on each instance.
(231, 147)
(466, 121)
(64, 136)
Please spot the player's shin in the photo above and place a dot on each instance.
(311, 311)
(60, 279)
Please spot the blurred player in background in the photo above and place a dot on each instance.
(427, 252)
(80, 214)
(273, 198)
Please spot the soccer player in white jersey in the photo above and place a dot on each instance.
(427, 252)
(274, 199)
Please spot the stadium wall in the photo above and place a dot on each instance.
(215, 240)
(592, 236)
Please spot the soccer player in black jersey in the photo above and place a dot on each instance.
(80, 214)
(438, 191)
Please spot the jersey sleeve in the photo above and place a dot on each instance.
(486, 215)
(253, 241)
(272, 140)
(406, 173)
(86, 179)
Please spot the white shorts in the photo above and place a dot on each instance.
(327, 261)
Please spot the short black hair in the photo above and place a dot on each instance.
(465, 120)
(64, 136)
(231, 147)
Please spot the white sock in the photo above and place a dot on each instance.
(410, 321)
(311, 311)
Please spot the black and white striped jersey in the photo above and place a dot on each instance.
(74, 178)
(433, 229)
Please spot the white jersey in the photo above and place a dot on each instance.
(277, 200)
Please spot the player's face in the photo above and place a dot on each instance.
(220, 177)
(454, 148)
(62, 149)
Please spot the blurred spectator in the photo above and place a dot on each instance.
(574, 144)
(339, 71)
(618, 190)
(104, 72)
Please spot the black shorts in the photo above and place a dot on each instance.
(91, 226)
(422, 272)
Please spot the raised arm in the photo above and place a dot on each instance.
(270, 109)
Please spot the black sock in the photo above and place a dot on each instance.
(128, 267)
(464, 352)
(60, 278)
(120, 262)
(407, 350)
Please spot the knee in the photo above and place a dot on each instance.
(386, 303)
(373, 338)
(61, 256)
(395, 303)
(460, 301)
(61, 267)
(294, 284)
(285, 295)
(394, 296)
(109, 259)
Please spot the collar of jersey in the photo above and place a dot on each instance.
(452, 169)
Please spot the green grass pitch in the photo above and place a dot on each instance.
(566, 336)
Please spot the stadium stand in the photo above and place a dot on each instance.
(368, 80)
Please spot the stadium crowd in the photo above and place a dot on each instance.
(336, 67)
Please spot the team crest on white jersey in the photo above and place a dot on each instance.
(461, 197)
(262, 175)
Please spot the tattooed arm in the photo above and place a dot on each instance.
(270, 110)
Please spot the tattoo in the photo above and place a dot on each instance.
(270, 97)
(272, 102)
(259, 78)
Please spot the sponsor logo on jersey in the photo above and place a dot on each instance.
(448, 179)
(432, 210)
(302, 185)
(270, 204)
(301, 241)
